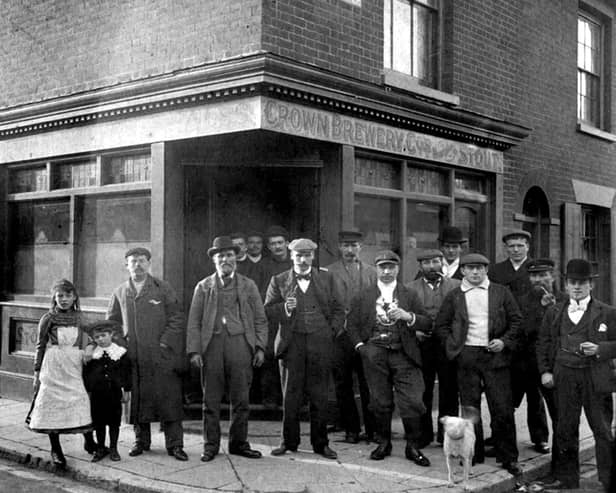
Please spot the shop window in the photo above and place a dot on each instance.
(430, 181)
(75, 175)
(128, 169)
(424, 222)
(410, 34)
(30, 179)
(379, 219)
(382, 174)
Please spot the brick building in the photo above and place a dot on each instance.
(165, 123)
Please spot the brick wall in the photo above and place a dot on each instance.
(52, 48)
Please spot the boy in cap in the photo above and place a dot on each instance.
(478, 324)
(307, 304)
(107, 378)
(576, 345)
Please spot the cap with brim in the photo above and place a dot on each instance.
(138, 251)
(540, 265)
(474, 259)
(220, 244)
(386, 257)
(350, 236)
(104, 326)
(579, 269)
(451, 234)
(302, 244)
(273, 231)
(253, 233)
(517, 233)
(428, 253)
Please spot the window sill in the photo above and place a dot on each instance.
(410, 84)
(595, 132)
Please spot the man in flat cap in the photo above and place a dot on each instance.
(576, 346)
(478, 324)
(311, 314)
(226, 337)
(432, 287)
(451, 241)
(512, 271)
(153, 332)
(351, 275)
(382, 326)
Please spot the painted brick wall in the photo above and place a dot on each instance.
(52, 48)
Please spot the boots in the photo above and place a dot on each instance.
(412, 432)
(89, 445)
(57, 456)
(383, 426)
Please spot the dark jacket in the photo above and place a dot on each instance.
(532, 316)
(451, 324)
(602, 331)
(363, 316)
(367, 277)
(284, 285)
(202, 314)
(518, 281)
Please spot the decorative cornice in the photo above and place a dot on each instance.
(268, 75)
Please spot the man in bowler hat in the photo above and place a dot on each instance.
(451, 241)
(576, 346)
(307, 303)
(351, 275)
(226, 337)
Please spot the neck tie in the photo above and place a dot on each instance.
(302, 277)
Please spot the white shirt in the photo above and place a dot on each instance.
(576, 309)
(450, 269)
(517, 265)
(387, 290)
(138, 285)
(478, 312)
(303, 283)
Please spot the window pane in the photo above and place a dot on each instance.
(402, 37)
(470, 183)
(374, 173)
(28, 180)
(387, 34)
(589, 45)
(424, 50)
(127, 169)
(378, 219)
(588, 98)
(423, 224)
(430, 181)
(107, 228)
(75, 175)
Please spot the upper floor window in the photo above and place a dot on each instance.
(590, 55)
(411, 39)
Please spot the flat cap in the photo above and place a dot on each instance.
(350, 236)
(474, 258)
(253, 233)
(540, 265)
(428, 253)
(300, 244)
(386, 257)
(517, 233)
(104, 326)
(137, 251)
(276, 231)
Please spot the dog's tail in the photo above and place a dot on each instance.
(471, 413)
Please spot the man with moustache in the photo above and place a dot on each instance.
(478, 324)
(576, 345)
(226, 337)
(153, 332)
(382, 325)
(451, 241)
(432, 287)
(307, 303)
(351, 275)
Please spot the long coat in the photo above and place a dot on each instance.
(518, 281)
(362, 318)
(367, 277)
(202, 314)
(284, 285)
(452, 322)
(149, 319)
(601, 331)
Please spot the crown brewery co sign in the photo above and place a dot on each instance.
(311, 123)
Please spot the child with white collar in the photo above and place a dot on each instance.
(107, 376)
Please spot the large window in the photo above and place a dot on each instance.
(403, 205)
(590, 56)
(411, 39)
(75, 219)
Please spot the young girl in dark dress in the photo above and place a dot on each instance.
(108, 378)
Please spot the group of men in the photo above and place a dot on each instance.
(502, 329)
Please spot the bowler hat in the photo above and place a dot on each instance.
(386, 257)
(428, 253)
(276, 231)
(350, 236)
(517, 233)
(137, 251)
(540, 265)
(474, 258)
(302, 244)
(451, 234)
(221, 243)
(580, 269)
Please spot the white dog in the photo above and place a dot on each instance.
(458, 444)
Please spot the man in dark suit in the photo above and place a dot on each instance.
(226, 337)
(382, 326)
(351, 275)
(307, 303)
(479, 323)
(577, 343)
(451, 241)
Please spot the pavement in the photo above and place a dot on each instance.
(304, 471)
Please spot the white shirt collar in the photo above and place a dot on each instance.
(467, 286)
(580, 304)
(387, 290)
(517, 265)
(114, 351)
(449, 269)
(255, 259)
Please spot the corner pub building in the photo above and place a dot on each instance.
(165, 124)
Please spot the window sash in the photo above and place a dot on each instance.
(589, 63)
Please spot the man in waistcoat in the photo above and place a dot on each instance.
(226, 337)
(451, 241)
(577, 343)
(478, 323)
(351, 275)
(307, 303)
(383, 323)
(432, 287)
